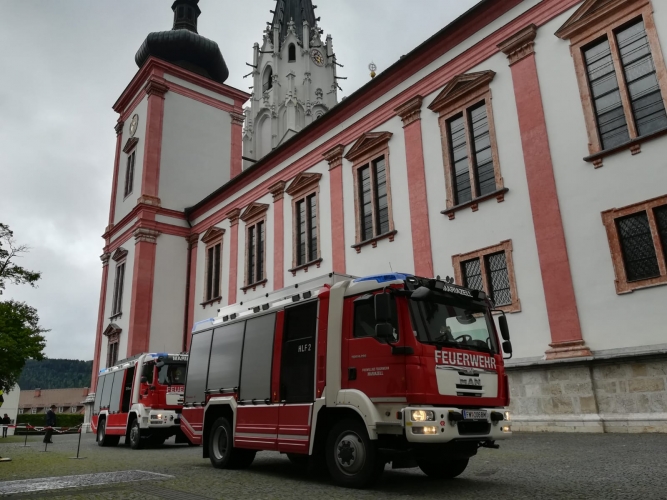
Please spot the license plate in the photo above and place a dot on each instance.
(474, 414)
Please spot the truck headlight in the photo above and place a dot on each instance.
(507, 416)
(422, 415)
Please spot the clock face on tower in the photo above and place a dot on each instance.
(133, 125)
(317, 57)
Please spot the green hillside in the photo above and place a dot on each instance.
(55, 374)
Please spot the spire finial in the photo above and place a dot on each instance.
(186, 13)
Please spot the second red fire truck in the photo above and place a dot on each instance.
(347, 375)
(140, 398)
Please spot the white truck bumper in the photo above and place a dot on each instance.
(160, 419)
(451, 423)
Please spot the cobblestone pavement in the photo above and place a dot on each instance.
(530, 466)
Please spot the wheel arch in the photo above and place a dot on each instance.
(216, 408)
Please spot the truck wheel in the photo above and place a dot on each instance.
(439, 469)
(135, 435)
(352, 458)
(222, 453)
(101, 432)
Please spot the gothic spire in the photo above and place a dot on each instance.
(293, 10)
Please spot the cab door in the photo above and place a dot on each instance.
(373, 366)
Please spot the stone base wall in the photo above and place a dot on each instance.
(590, 396)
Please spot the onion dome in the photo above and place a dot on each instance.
(183, 46)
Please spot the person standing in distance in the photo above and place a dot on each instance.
(5, 422)
(50, 422)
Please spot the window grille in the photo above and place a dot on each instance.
(472, 273)
(639, 254)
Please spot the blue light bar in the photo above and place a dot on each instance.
(200, 325)
(384, 278)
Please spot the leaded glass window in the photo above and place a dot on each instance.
(119, 282)
(365, 203)
(472, 274)
(213, 272)
(499, 281)
(637, 246)
(129, 174)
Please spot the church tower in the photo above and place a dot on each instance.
(294, 79)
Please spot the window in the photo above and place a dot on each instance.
(33, 411)
(117, 305)
(74, 409)
(267, 80)
(61, 409)
(491, 270)
(304, 190)
(621, 74)
(472, 171)
(20, 411)
(129, 173)
(112, 352)
(370, 157)
(255, 218)
(637, 237)
(212, 287)
(364, 317)
(292, 53)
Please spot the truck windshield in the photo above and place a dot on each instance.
(460, 324)
(172, 373)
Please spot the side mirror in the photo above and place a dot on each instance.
(504, 330)
(144, 380)
(382, 308)
(384, 331)
(507, 347)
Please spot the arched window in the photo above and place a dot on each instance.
(267, 81)
(292, 52)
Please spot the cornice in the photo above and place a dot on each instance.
(411, 110)
(592, 12)
(460, 86)
(520, 45)
(119, 254)
(237, 118)
(105, 258)
(253, 211)
(119, 127)
(156, 86)
(130, 145)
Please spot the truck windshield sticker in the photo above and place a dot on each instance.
(465, 359)
(459, 291)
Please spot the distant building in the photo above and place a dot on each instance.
(39, 401)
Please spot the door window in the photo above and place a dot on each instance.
(364, 317)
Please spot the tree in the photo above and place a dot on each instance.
(9, 252)
(20, 338)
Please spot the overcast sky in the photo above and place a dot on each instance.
(63, 64)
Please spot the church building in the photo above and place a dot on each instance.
(520, 150)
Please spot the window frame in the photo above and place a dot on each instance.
(303, 187)
(212, 238)
(585, 28)
(120, 257)
(481, 254)
(462, 94)
(609, 218)
(255, 214)
(366, 151)
(33, 411)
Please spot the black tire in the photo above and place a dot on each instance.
(353, 459)
(442, 469)
(135, 435)
(222, 453)
(103, 439)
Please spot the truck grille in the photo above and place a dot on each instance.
(473, 428)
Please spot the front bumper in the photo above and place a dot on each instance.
(446, 427)
(161, 419)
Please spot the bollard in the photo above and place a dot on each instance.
(78, 447)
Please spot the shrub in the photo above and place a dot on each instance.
(39, 420)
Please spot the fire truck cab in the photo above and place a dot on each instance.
(347, 375)
(140, 398)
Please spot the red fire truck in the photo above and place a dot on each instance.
(140, 398)
(347, 375)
